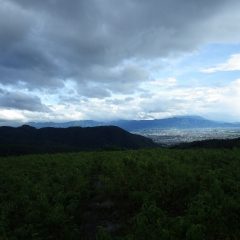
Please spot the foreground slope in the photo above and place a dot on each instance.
(28, 139)
(122, 195)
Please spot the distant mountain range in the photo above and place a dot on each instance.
(180, 122)
(29, 140)
(80, 123)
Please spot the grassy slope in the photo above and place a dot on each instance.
(143, 194)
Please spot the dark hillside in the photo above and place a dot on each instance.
(26, 139)
(212, 143)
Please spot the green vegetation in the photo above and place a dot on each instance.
(165, 194)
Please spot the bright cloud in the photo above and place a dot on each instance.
(211, 102)
(232, 64)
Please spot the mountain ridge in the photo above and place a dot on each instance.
(28, 140)
(181, 122)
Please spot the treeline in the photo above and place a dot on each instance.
(212, 143)
(29, 140)
(141, 194)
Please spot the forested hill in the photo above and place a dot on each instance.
(212, 143)
(26, 139)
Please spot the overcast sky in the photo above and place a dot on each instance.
(109, 59)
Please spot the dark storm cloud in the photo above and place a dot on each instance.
(93, 91)
(43, 43)
(15, 24)
(22, 58)
(123, 80)
(17, 100)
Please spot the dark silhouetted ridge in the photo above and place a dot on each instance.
(212, 143)
(27, 139)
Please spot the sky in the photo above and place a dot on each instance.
(109, 59)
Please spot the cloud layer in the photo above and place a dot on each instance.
(232, 64)
(66, 53)
(21, 101)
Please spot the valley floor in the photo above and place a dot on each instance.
(173, 136)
